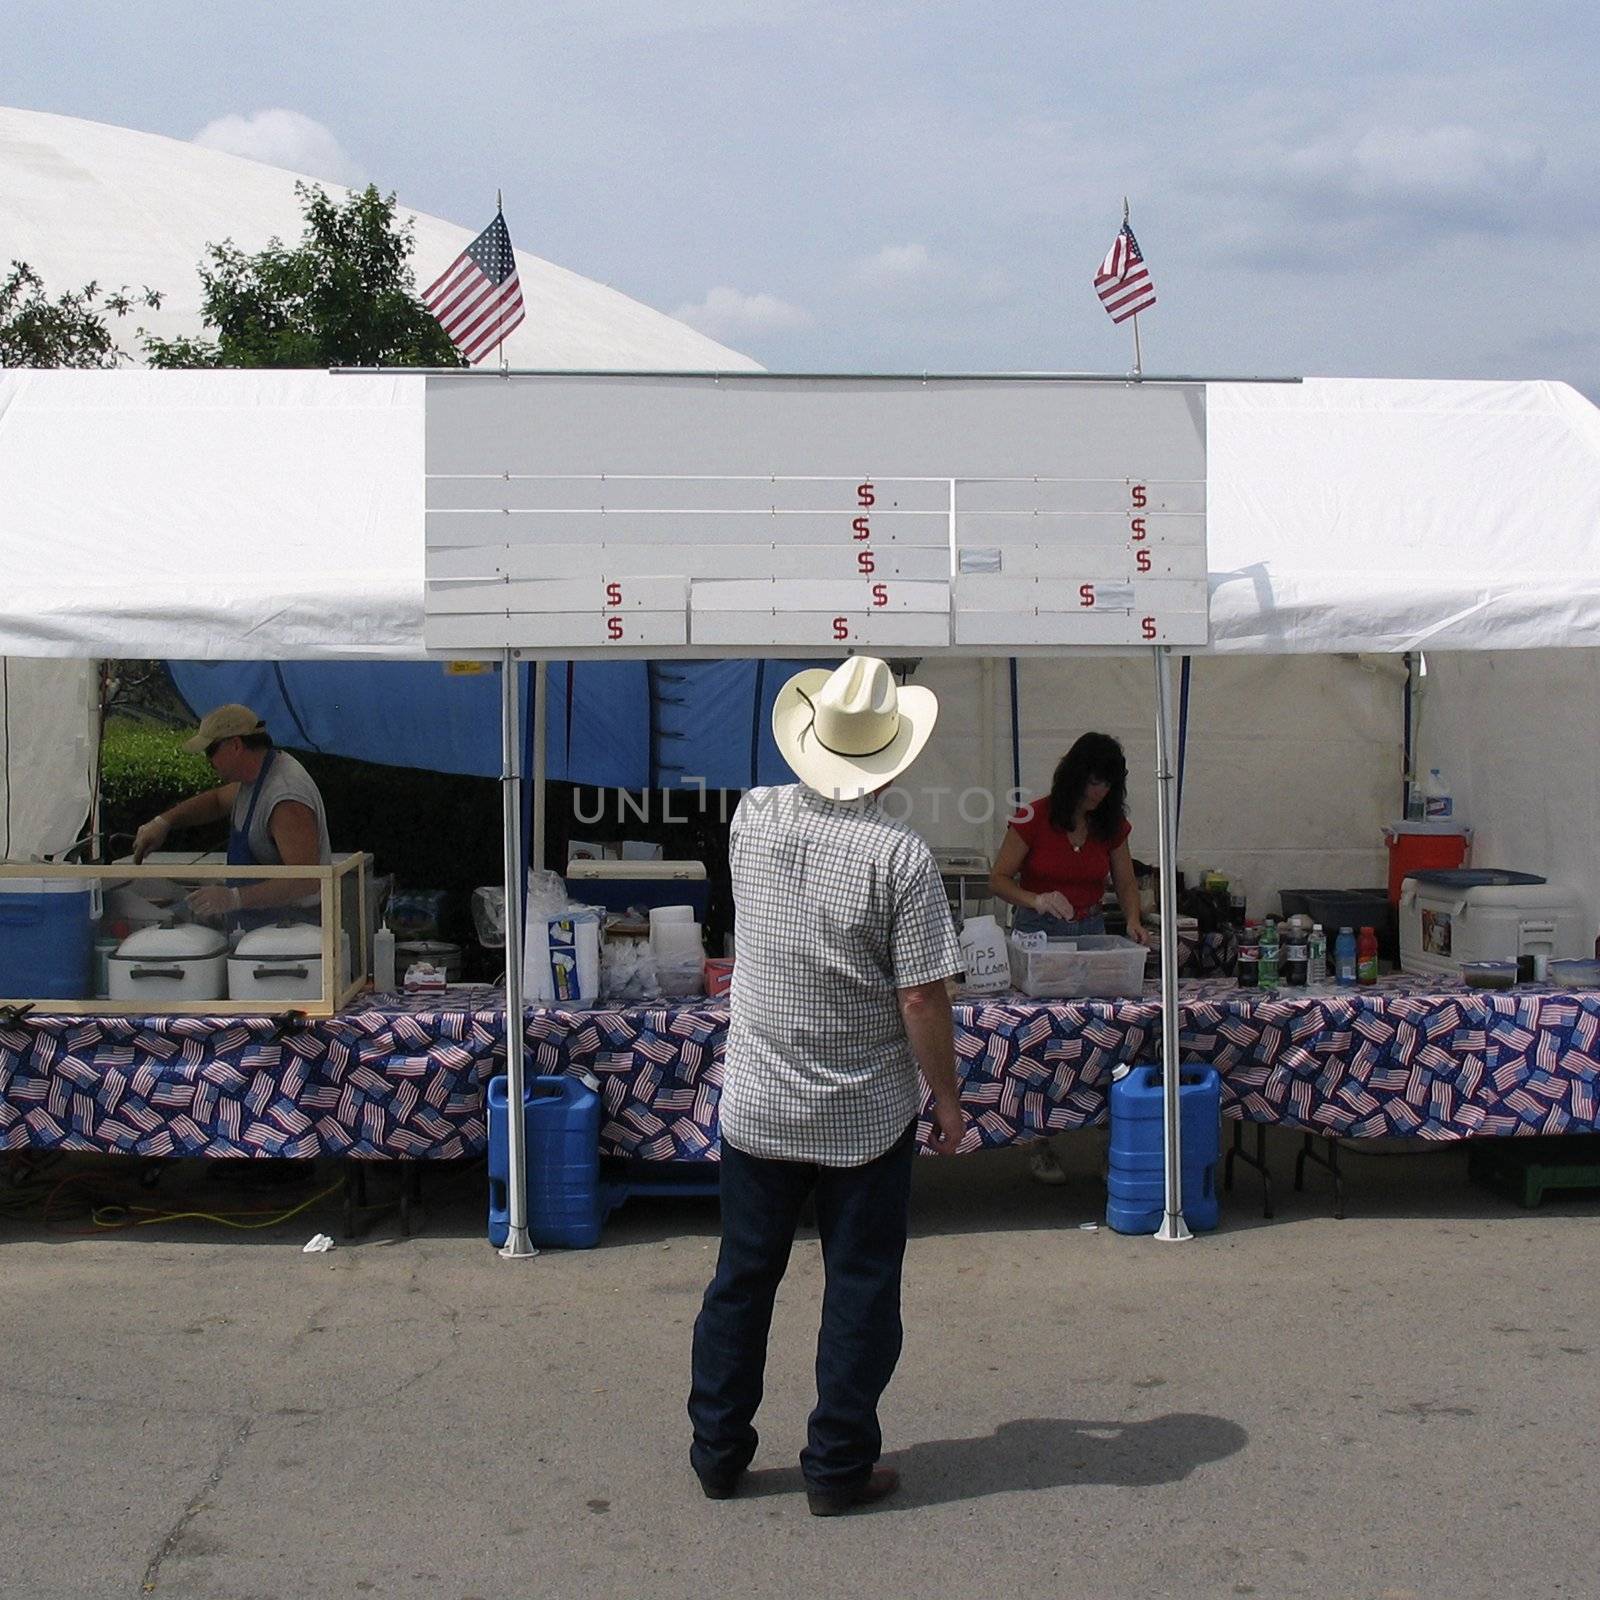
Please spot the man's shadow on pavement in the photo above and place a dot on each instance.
(1044, 1453)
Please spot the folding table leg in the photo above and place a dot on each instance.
(1258, 1161)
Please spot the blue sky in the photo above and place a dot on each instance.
(1344, 189)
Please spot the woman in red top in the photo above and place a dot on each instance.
(1060, 849)
(1056, 857)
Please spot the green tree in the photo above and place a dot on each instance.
(345, 296)
(73, 330)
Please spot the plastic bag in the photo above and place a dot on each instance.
(683, 975)
(628, 972)
(489, 916)
(547, 894)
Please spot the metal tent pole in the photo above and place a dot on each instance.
(1172, 1226)
(541, 757)
(517, 1242)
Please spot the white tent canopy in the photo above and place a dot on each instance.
(278, 515)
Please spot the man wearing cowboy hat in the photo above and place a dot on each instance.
(843, 945)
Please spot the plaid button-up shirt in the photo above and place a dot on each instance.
(837, 907)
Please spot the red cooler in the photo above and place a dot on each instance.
(1414, 846)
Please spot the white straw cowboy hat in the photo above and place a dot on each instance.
(852, 730)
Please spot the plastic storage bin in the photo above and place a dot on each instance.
(47, 938)
(1091, 964)
(1358, 909)
(1136, 1184)
(566, 1203)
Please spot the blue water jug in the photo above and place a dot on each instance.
(566, 1204)
(1136, 1183)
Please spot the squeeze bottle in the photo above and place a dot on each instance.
(383, 960)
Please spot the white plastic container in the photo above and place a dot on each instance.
(1437, 805)
(561, 962)
(1091, 964)
(1441, 927)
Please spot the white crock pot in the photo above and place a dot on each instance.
(188, 962)
(283, 962)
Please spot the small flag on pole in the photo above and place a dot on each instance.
(477, 298)
(1123, 281)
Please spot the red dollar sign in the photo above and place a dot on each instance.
(1086, 594)
(866, 563)
(1136, 528)
(1148, 627)
(1143, 559)
(613, 627)
(864, 494)
(1138, 497)
(880, 594)
(613, 594)
(863, 528)
(841, 627)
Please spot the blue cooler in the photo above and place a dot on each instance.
(1136, 1184)
(47, 938)
(566, 1203)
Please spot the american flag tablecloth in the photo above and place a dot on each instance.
(401, 1077)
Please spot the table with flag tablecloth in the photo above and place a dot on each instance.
(402, 1077)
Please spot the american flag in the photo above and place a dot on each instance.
(1123, 281)
(477, 298)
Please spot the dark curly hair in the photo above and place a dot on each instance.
(1094, 755)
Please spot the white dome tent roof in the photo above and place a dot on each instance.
(84, 200)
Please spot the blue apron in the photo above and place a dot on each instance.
(241, 855)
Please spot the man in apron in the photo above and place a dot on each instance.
(275, 819)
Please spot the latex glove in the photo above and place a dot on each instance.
(215, 900)
(1054, 904)
(150, 837)
(949, 1124)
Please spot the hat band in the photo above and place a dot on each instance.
(848, 755)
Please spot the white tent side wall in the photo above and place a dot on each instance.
(1516, 735)
(49, 724)
(1293, 763)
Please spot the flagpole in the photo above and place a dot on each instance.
(1138, 355)
(500, 343)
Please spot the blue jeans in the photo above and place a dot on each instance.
(1025, 920)
(862, 1215)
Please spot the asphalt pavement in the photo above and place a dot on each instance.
(1397, 1405)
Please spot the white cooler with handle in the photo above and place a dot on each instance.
(1479, 914)
(188, 962)
(281, 962)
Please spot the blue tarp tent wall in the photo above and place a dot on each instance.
(615, 724)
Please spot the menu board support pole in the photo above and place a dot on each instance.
(1172, 1226)
(517, 1243)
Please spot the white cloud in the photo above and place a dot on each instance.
(1448, 167)
(728, 313)
(894, 264)
(283, 138)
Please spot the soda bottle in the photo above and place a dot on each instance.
(1294, 958)
(1317, 955)
(1269, 955)
(1367, 957)
(1344, 956)
(1248, 966)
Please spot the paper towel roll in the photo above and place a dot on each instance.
(667, 914)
